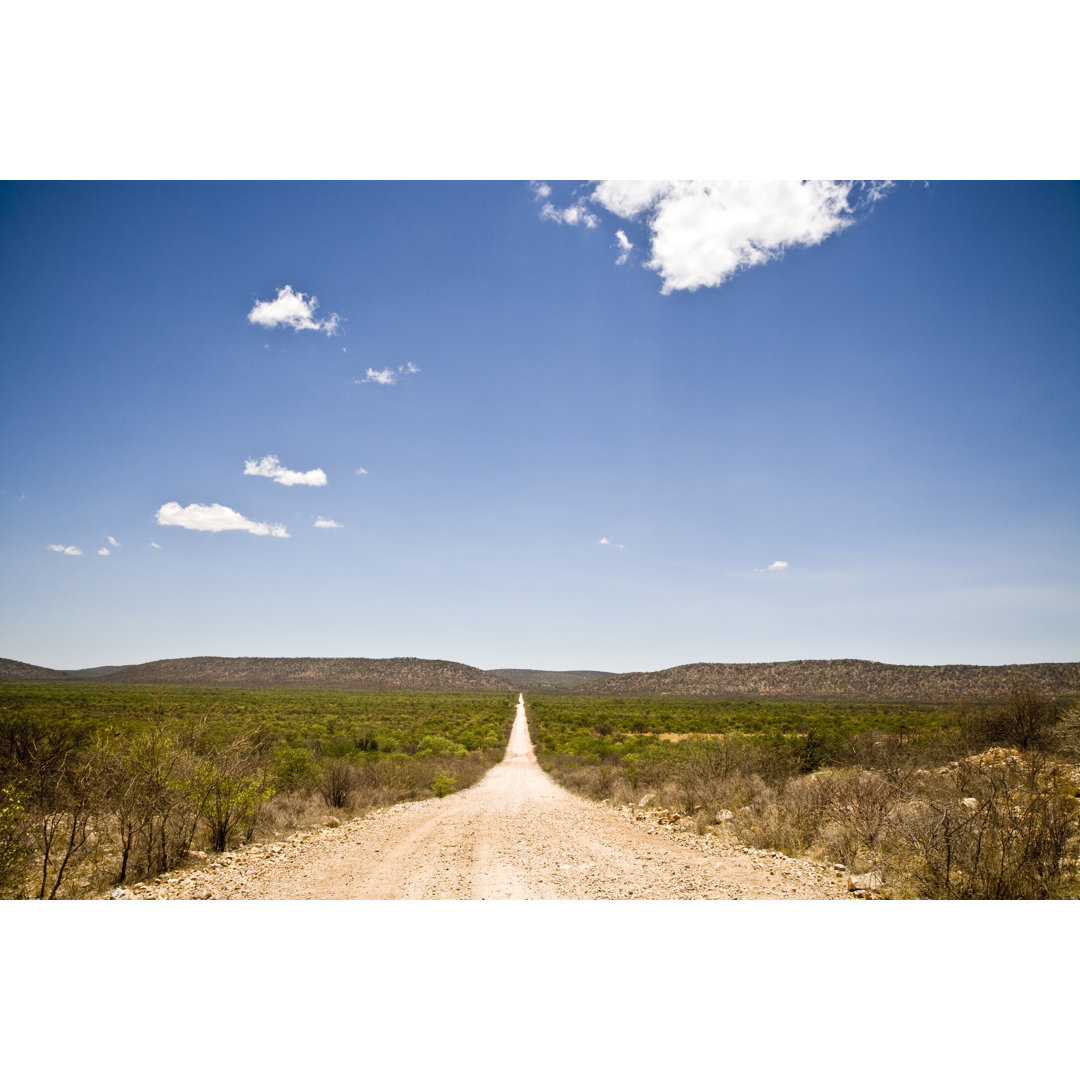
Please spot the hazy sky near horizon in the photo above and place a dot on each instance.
(559, 425)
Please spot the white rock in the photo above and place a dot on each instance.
(872, 880)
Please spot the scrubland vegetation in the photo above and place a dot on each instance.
(945, 802)
(103, 785)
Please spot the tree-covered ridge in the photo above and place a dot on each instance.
(844, 680)
(17, 671)
(532, 680)
(357, 673)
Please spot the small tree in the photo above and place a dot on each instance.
(228, 786)
(67, 799)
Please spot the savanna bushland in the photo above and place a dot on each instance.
(107, 784)
(955, 801)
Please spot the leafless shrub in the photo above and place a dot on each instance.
(289, 810)
(786, 819)
(854, 806)
(989, 829)
(67, 797)
(1066, 736)
(337, 780)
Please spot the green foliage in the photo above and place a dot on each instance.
(294, 768)
(134, 775)
(13, 826)
(913, 793)
(442, 784)
(228, 795)
(438, 744)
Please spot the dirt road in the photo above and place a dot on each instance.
(514, 835)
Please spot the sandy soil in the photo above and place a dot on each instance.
(514, 835)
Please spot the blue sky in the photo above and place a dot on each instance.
(561, 425)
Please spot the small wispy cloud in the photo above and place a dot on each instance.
(610, 543)
(65, 549)
(153, 545)
(113, 542)
(270, 467)
(327, 523)
(214, 518)
(388, 376)
(577, 213)
(574, 214)
(104, 551)
(293, 309)
(361, 471)
(778, 565)
(624, 246)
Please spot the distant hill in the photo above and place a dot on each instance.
(397, 673)
(17, 671)
(798, 680)
(841, 680)
(529, 679)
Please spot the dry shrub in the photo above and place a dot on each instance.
(289, 810)
(989, 828)
(592, 781)
(855, 806)
(786, 819)
(337, 779)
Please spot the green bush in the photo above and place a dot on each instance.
(431, 745)
(14, 852)
(443, 785)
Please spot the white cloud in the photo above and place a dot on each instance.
(610, 543)
(704, 231)
(327, 523)
(270, 466)
(293, 309)
(113, 543)
(153, 545)
(361, 471)
(778, 565)
(103, 551)
(625, 246)
(628, 198)
(214, 518)
(65, 550)
(387, 377)
(575, 214)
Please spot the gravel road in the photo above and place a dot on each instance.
(514, 835)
